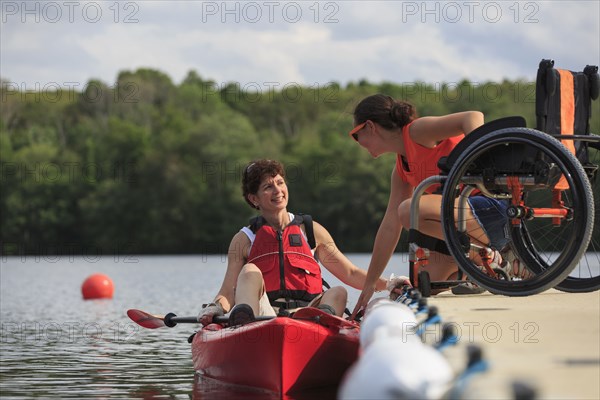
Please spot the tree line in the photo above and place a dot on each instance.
(147, 166)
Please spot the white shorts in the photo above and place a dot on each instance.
(264, 307)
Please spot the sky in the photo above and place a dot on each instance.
(271, 44)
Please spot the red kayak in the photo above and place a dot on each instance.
(312, 349)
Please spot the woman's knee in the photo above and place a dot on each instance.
(404, 213)
(338, 293)
(430, 206)
(334, 300)
(250, 273)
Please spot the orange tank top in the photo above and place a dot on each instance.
(421, 162)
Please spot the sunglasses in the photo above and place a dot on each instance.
(354, 131)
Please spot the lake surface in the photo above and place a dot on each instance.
(55, 344)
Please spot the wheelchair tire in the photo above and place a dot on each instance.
(586, 275)
(533, 154)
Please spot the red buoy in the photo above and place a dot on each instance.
(97, 286)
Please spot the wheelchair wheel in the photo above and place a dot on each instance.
(550, 207)
(585, 277)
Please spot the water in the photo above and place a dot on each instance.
(55, 344)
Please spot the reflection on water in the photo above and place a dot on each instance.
(210, 389)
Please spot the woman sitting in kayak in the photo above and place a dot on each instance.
(270, 263)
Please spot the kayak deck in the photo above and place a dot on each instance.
(281, 355)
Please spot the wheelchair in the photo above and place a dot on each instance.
(548, 178)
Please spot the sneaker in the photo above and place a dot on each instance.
(241, 314)
(513, 267)
(467, 288)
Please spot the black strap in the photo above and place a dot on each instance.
(308, 227)
(256, 223)
(289, 304)
(429, 242)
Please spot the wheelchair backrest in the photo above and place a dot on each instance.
(563, 103)
(563, 107)
(446, 163)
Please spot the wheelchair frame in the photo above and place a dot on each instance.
(459, 182)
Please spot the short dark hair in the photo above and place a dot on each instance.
(384, 110)
(253, 174)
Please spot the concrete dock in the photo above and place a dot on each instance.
(550, 341)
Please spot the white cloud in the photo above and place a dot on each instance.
(399, 41)
(120, 47)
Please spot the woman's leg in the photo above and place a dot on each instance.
(335, 297)
(250, 287)
(430, 220)
(441, 267)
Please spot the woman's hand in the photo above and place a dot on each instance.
(211, 310)
(363, 300)
(395, 285)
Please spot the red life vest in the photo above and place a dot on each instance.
(289, 268)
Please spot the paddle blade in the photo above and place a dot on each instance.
(146, 320)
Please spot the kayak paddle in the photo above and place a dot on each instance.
(151, 321)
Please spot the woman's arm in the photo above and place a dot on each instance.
(386, 239)
(337, 263)
(389, 230)
(427, 131)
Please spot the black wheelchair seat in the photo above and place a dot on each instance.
(446, 163)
